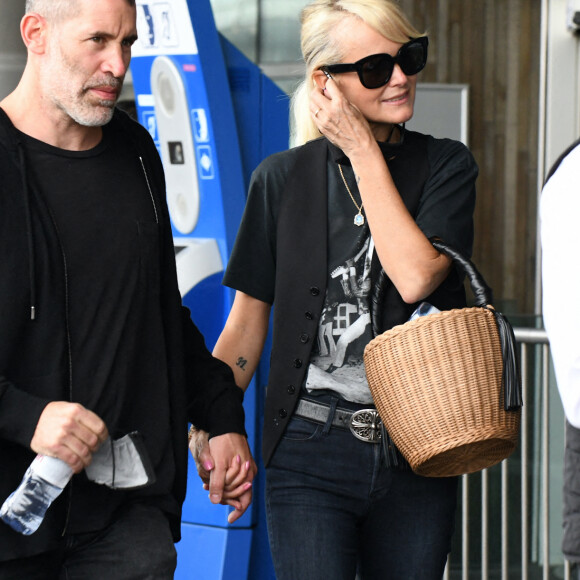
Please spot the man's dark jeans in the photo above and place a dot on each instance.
(334, 509)
(137, 546)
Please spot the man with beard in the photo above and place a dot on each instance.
(94, 342)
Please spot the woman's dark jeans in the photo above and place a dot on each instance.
(334, 509)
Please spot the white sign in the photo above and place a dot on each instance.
(164, 27)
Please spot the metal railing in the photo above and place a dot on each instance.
(503, 528)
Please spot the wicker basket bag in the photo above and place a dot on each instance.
(447, 385)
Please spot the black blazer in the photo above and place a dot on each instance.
(302, 271)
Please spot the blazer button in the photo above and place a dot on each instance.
(304, 338)
(291, 389)
(283, 413)
(315, 291)
(309, 315)
(297, 363)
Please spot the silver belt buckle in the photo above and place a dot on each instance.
(366, 425)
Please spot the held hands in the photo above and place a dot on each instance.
(69, 432)
(226, 467)
(337, 119)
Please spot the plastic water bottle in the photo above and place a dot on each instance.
(42, 483)
(424, 309)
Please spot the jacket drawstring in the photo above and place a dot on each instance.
(31, 256)
(149, 188)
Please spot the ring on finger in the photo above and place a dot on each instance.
(317, 111)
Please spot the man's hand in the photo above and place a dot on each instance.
(233, 459)
(69, 432)
(199, 447)
(226, 467)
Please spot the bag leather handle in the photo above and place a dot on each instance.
(481, 291)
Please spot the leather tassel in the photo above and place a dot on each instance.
(393, 457)
(510, 374)
(390, 457)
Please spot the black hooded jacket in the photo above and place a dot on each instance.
(35, 356)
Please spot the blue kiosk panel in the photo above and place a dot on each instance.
(210, 138)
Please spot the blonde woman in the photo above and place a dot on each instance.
(356, 196)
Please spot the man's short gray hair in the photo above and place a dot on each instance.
(57, 10)
(54, 10)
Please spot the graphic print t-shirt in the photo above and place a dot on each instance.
(337, 363)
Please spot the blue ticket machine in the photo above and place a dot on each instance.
(214, 117)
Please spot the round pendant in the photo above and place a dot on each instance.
(359, 219)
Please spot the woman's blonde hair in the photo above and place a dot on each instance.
(320, 46)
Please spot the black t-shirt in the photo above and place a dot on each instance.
(107, 226)
(445, 210)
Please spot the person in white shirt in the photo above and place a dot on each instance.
(560, 236)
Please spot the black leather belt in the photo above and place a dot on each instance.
(364, 424)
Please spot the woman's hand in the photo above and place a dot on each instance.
(229, 482)
(339, 120)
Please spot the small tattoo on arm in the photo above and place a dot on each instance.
(242, 362)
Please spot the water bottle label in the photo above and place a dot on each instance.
(51, 469)
(424, 309)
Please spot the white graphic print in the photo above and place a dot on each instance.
(345, 329)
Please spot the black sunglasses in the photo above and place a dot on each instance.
(376, 70)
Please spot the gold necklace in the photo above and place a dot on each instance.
(359, 218)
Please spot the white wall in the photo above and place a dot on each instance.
(12, 51)
(562, 122)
